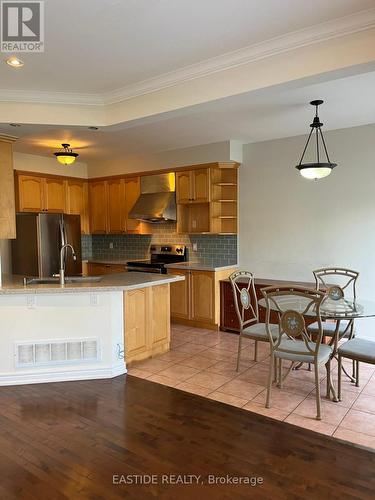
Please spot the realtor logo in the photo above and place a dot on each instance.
(22, 26)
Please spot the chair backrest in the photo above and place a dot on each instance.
(245, 298)
(292, 304)
(336, 281)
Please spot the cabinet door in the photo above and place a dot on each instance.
(77, 201)
(7, 203)
(135, 317)
(183, 187)
(180, 295)
(30, 193)
(203, 296)
(116, 206)
(200, 183)
(98, 207)
(160, 315)
(54, 195)
(132, 192)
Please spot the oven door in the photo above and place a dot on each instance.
(141, 269)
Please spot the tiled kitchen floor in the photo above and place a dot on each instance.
(203, 362)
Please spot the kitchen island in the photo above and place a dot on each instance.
(87, 330)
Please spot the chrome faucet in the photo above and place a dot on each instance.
(62, 252)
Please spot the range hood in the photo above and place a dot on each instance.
(157, 201)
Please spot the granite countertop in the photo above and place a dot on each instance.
(196, 266)
(109, 283)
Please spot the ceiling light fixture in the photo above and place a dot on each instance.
(318, 169)
(14, 62)
(93, 128)
(66, 155)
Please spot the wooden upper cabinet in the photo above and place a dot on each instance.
(7, 202)
(30, 193)
(183, 187)
(110, 203)
(132, 192)
(193, 186)
(41, 194)
(77, 201)
(116, 206)
(201, 186)
(98, 207)
(54, 195)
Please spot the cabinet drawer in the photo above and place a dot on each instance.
(231, 321)
(95, 269)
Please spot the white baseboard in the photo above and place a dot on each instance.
(42, 377)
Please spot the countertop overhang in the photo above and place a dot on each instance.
(109, 283)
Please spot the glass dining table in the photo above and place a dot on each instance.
(344, 309)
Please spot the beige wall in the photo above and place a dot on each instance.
(218, 151)
(289, 225)
(47, 165)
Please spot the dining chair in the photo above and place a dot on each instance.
(336, 281)
(357, 350)
(293, 342)
(246, 305)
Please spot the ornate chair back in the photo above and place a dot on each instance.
(337, 281)
(245, 299)
(291, 305)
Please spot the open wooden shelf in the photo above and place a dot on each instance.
(217, 214)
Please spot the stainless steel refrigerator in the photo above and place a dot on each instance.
(36, 249)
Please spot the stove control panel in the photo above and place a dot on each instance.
(168, 250)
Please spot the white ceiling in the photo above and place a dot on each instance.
(98, 46)
(272, 113)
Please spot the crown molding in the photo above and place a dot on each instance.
(339, 27)
(354, 23)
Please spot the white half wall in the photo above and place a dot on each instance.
(290, 226)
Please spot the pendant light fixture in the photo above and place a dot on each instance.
(66, 155)
(318, 169)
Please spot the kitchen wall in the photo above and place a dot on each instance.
(290, 225)
(211, 249)
(205, 153)
(47, 165)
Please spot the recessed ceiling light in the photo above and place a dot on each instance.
(93, 128)
(14, 62)
(14, 124)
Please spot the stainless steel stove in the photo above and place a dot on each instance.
(160, 255)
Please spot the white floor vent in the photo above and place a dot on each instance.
(29, 354)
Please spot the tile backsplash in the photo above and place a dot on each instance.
(211, 249)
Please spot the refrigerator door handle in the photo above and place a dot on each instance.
(63, 239)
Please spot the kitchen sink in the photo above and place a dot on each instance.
(68, 279)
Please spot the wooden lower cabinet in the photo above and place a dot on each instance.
(180, 291)
(202, 285)
(196, 301)
(98, 269)
(146, 322)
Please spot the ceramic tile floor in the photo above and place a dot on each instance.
(203, 362)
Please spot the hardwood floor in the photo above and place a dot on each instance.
(67, 440)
